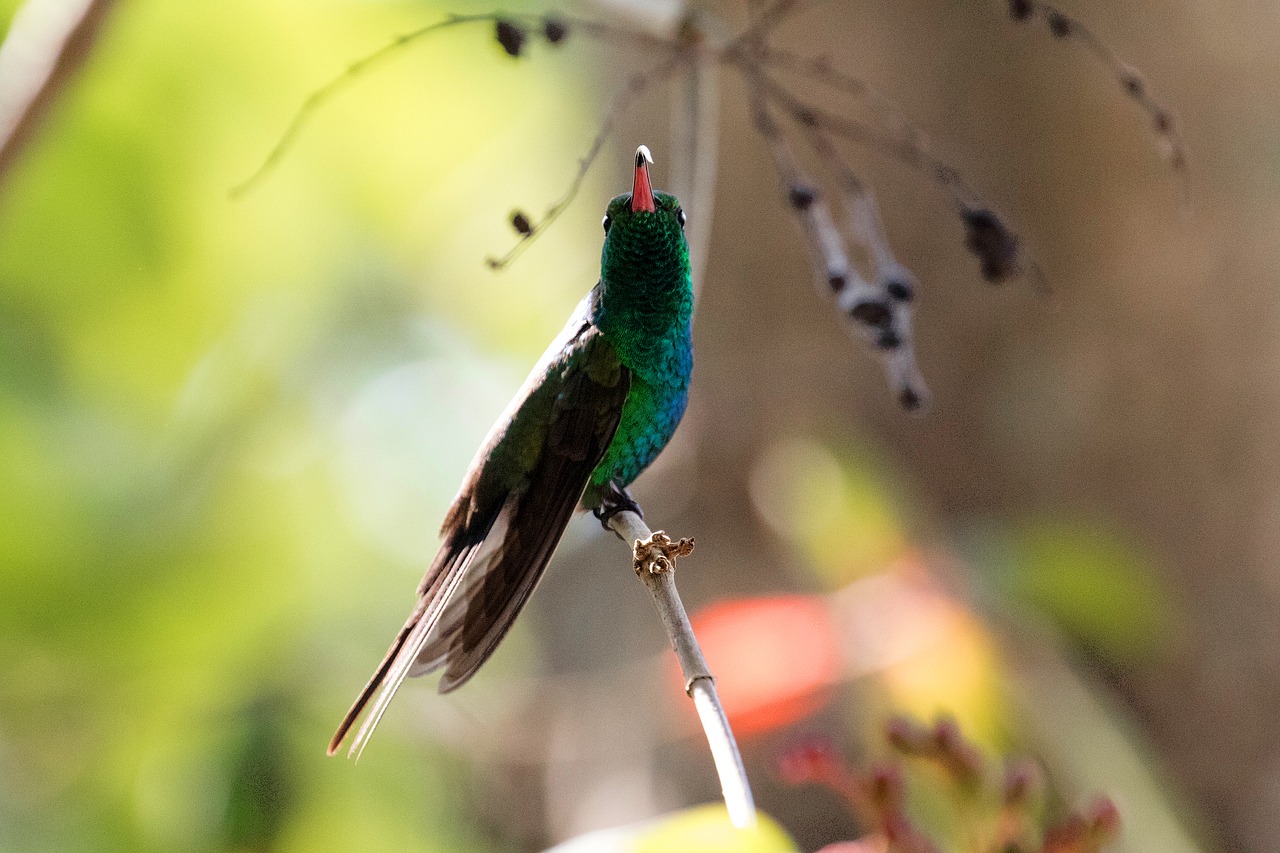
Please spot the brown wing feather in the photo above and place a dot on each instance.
(498, 542)
(586, 417)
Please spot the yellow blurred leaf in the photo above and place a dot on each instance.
(706, 829)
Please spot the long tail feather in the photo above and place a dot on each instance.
(435, 593)
(404, 659)
(375, 681)
(501, 531)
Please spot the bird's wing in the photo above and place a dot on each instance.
(505, 522)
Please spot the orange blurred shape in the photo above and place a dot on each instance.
(773, 658)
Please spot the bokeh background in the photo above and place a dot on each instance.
(228, 431)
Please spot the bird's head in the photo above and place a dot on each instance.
(644, 229)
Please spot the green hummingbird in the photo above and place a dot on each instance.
(596, 410)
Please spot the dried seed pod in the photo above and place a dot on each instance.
(554, 29)
(1133, 83)
(994, 244)
(521, 223)
(955, 753)
(885, 788)
(801, 196)
(888, 340)
(511, 36)
(904, 376)
(900, 289)
(871, 312)
(1104, 818)
(1086, 830)
(1060, 25)
(1020, 10)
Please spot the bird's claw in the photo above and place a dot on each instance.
(616, 500)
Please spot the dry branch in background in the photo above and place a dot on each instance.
(875, 305)
(48, 41)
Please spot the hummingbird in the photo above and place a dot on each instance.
(596, 410)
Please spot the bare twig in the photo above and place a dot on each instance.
(695, 143)
(767, 21)
(820, 70)
(987, 237)
(831, 265)
(865, 225)
(905, 149)
(654, 555)
(890, 329)
(1063, 26)
(632, 89)
(878, 312)
(47, 41)
(320, 96)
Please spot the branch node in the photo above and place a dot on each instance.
(691, 683)
(657, 555)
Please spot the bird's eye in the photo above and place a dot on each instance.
(606, 222)
(680, 217)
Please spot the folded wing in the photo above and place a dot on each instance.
(506, 521)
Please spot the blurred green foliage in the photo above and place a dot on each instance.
(184, 566)
(842, 509)
(1095, 584)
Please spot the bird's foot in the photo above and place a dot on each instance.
(657, 554)
(616, 500)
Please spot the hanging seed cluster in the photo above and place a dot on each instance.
(877, 311)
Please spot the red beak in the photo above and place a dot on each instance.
(642, 191)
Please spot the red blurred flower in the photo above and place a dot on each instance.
(774, 658)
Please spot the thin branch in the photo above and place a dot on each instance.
(820, 70)
(622, 99)
(865, 224)
(1063, 26)
(766, 22)
(322, 95)
(987, 237)
(831, 266)
(695, 144)
(903, 149)
(654, 561)
(886, 322)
